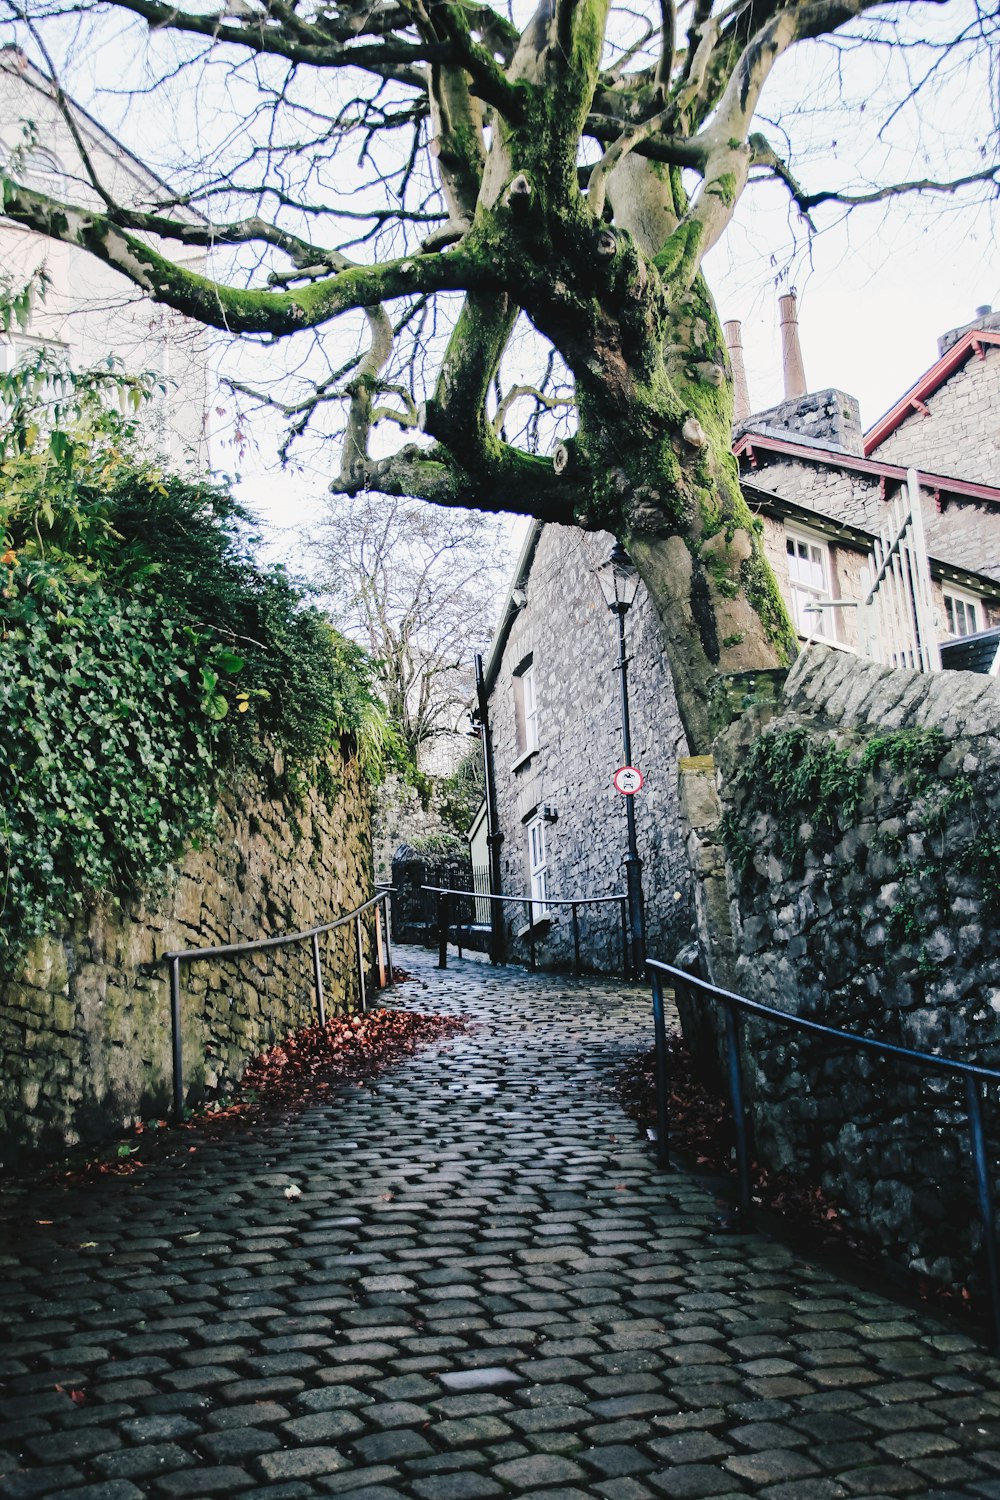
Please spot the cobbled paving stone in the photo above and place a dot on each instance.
(485, 1290)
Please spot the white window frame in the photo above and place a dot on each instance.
(966, 602)
(525, 710)
(14, 345)
(819, 625)
(537, 868)
(530, 701)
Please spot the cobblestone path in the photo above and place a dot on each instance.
(485, 1289)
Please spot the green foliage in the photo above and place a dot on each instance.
(457, 797)
(441, 846)
(800, 779)
(107, 760)
(144, 655)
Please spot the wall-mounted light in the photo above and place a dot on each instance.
(548, 812)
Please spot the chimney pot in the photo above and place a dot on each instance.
(791, 354)
(984, 311)
(741, 391)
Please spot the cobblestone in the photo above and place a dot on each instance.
(485, 1290)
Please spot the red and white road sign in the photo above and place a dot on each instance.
(627, 780)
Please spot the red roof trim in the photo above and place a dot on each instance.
(970, 343)
(756, 442)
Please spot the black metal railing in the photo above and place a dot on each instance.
(449, 916)
(378, 903)
(975, 1077)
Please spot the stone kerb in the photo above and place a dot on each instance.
(85, 1025)
(877, 923)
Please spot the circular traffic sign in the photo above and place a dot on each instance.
(627, 780)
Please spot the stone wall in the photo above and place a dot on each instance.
(571, 637)
(85, 1027)
(884, 924)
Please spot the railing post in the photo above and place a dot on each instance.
(458, 926)
(531, 935)
(576, 940)
(386, 909)
(985, 1196)
(318, 979)
(625, 974)
(662, 1107)
(379, 946)
(362, 992)
(739, 1112)
(442, 931)
(175, 1036)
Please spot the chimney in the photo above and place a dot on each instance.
(791, 354)
(741, 391)
(985, 318)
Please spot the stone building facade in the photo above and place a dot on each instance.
(961, 518)
(560, 817)
(557, 745)
(949, 422)
(553, 693)
(85, 1026)
(89, 311)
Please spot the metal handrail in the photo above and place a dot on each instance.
(444, 894)
(974, 1074)
(444, 890)
(180, 955)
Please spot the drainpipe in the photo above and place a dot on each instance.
(494, 838)
(791, 354)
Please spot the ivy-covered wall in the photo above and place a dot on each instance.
(861, 832)
(151, 667)
(85, 1024)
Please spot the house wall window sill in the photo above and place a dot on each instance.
(522, 760)
(540, 927)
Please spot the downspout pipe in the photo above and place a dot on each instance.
(494, 838)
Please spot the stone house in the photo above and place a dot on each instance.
(551, 678)
(89, 311)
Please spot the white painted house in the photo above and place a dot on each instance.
(89, 311)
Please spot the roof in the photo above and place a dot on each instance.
(751, 443)
(510, 609)
(972, 342)
(13, 60)
(972, 653)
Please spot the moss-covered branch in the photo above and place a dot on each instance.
(241, 310)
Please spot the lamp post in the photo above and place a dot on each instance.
(620, 583)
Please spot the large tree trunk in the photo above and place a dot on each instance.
(663, 478)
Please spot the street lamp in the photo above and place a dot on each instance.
(620, 583)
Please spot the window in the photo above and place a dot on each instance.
(809, 579)
(17, 348)
(536, 868)
(530, 709)
(526, 708)
(963, 613)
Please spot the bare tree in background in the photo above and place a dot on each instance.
(508, 211)
(418, 587)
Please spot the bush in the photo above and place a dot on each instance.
(144, 654)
